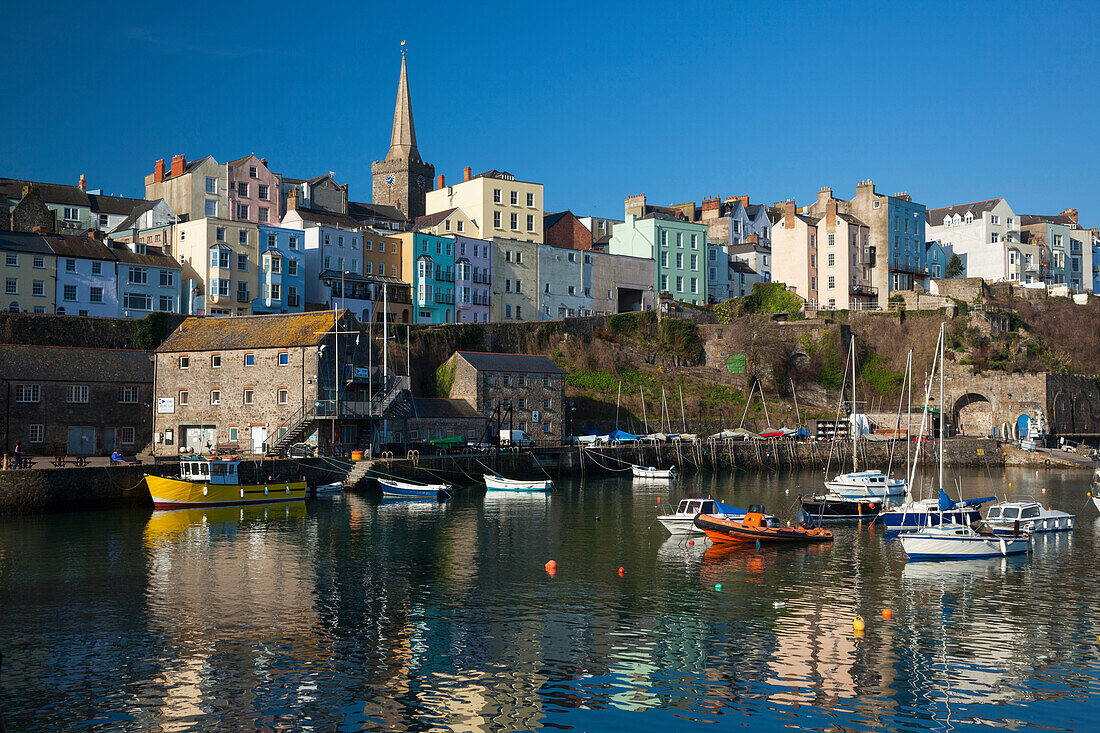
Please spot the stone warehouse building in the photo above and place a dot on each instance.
(514, 391)
(76, 401)
(260, 383)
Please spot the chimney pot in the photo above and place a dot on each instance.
(178, 163)
(466, 173)
(439, 181)
(83, 184)
(158, 171)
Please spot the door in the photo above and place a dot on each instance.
(259, 436)
(81, 441)
(198, 438)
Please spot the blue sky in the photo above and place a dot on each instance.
(952, 102)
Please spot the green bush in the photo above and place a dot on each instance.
(678, 337)
(593, 381)
(831, 375)
(150, 331)
(879, 377)
(444, 379)
(771, 298)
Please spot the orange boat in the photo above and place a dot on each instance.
(756, 527)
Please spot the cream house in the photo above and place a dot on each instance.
(496, 204)
(219, 261)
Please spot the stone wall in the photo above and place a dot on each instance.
(978, 404)
(967, 289)
(81, 331)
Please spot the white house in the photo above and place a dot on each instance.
(981, 234)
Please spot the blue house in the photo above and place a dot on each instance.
(938, 258)
(281, 276)
(429, 265)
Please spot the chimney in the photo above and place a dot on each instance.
(830, 212)
(711, 205)
(292, 201)
(824, 195)
(466, 173)
(178, 162)
(788, 214)
(264, 161)
(39, 229)
(439, 181)
(1071, 213)
(158, 171)
(752, 239)
(82, 184)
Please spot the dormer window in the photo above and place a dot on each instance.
(969, 218)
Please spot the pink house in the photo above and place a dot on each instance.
(253, 191)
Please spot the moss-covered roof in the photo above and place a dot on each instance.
(250, 332)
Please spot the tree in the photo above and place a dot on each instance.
(954, 266)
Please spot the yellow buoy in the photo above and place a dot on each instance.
(858, 624)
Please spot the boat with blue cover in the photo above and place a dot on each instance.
(682, 521)
(393, 487)
(934, 512)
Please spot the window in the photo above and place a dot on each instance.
(275, 291)
(664, 283)
(247, 396)
(249, 360)
(262, 192)
(679, 239)
(211, 185)
(695, 241)
(69, 292)
(70, 265)
(546, 427)
(35, 433)
(95, 295)
(242, 211)
(242, 237)
(215, 360)
(513, 219)
(994, 219)
(182, 397)
(831, 261)
(496, 220)
(293, 242)
(242, 292)
(38, 287)
(215, 396)
(519, 257)
(11, 286)
(572, 289)
(242, 188)
(138, 276)
(284, 358)
(679, 260)
(460, 225)
(694, 285)
(12, 260)
(832, 239)
(664, 258)
(127, 395)
(167, 279)
(210, 210)
(530, 223)
(832, 282)
(77, 393)
(242, 262)
(507, 310)
(219, 234)
(263, 213)
(496, 195)
(530, 199)
(546, 400)
(137, 301)
(167, 304)
(679, 284)
(39, 262)
(27, 393)
(281, 396)
(695, 262)
(71, 213)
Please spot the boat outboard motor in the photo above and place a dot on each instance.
(804, 519)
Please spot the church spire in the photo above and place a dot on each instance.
(403, 138)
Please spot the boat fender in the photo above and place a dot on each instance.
(858, 624)
(1046, 461)
(779, 604)
(265, 491)
(288, 491)
(242, 493)
(718, 586)
(205, 491)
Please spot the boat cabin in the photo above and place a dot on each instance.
(697, 506)
(1014, 511)
(209, 470)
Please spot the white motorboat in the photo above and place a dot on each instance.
(324, 489)
(860, 484)
(497, 483)
(682, 521)
(393, 487)
(651, 472)
(1029, 515)
(954, 541)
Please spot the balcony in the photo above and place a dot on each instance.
(863, 291)
(911, 269)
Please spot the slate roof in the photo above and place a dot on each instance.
(151, 258)
(851, 219)
(741, 266)
(131, 221)
(75, 364)
(1060, 219)
(747, 247)
(935, 216)
(430, 220)
(122, 205)
(59, 193)
(327, 218)
(21, 242)
(493, 362)
(72, 245)
(188, 166)
(380, 211)
(249, 332)
(549, 220)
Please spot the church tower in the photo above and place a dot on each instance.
(403, 179)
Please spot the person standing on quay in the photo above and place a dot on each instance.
(18, 463)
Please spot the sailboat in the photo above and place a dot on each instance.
(951, 540)
(858, 484)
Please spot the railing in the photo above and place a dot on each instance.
(905, 267)
(863, 290)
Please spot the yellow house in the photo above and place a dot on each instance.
(496, 204)
(219, 261)
(29, 269)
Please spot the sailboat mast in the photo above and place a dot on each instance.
(943, 368)
(683, 415)
(909, 409)
(618, 394)
(644, 418)
(852, 419)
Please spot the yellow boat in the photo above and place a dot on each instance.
(213, 482)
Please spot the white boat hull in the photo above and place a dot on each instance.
(933, 547)
(1096, 502)
(654, 473)
(334, 488)
(391, 487)
(496, 483)
(861, 485)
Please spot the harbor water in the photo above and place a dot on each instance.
(353, 613)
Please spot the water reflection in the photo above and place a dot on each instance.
(368, 614)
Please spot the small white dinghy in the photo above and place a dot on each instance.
(954, 541)
(324, 489)
(497, 483)
(393, 487)
(651, 472)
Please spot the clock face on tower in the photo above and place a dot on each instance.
(420, 181)
(389, 180)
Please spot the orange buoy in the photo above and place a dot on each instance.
(551, 566)
(658, 500)
(691, 543)
(887, 613)
(621, 571)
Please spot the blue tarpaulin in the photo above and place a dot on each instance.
(724, 508)
(622, 436)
